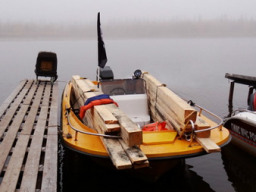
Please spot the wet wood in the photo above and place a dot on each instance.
(202, 124)
(136, 156)
(11, 97)
(166, 105)
(117, 154)
(242, 79)
(28, 146)
(208, 145)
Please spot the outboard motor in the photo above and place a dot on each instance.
(46, 65)
(106, 73)
(252, 102)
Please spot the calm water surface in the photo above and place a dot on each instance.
(193, 68)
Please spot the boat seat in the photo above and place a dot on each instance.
(135, 106)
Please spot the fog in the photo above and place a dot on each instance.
(79, 11)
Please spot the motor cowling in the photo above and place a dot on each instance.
(106, 73)
(252, 102)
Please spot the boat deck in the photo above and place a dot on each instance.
(29, 138)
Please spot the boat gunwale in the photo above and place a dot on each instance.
(240, 118)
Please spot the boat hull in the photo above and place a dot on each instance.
(162, 157)
(240, 167)
(243, 132)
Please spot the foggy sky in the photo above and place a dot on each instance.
(77, 11)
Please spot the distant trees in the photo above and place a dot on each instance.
(134, 29)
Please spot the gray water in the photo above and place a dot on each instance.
(193, 68)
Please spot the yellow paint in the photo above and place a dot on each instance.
(158, 137)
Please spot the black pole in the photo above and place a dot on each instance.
(249, 95)
(230, 99)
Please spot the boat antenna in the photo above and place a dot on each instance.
(102, 56)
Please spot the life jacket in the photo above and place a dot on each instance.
(157, 126)
(96, 100)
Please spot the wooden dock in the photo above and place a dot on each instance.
(29, 138)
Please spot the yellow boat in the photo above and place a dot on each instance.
(136, 124)
(182, 137)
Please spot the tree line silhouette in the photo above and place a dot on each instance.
(133, 29)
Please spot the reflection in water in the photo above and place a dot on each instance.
(79, 173)
(240, 168)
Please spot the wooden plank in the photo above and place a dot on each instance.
(157, 91)
(53, 116)
(106, 115)
(181, 107)
(208, 145)
(152, 80)
(166, 105)
(136, 156)
(11, 97)
(155, 115)
(85, 88)
(29, 123)
(130, 132)
(6, 144)
(105, 128)
(49, 182)
(14, 106)
(14, 167)
(8, 140)
(202, 124)
(32, 163)
(117, 154)
(99, 121)
(178, 125)
(23, 117)
(115, 151)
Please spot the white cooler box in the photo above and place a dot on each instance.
(135, 106)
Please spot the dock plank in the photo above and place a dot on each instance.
(14, 168)
(29, 123)
(13, 108)
(11, 134)
(32, 165)
(49, 182)
(11, 97)
(29, 138)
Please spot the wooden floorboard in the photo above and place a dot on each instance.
(51, 151)
(29, 138)
(11, 97)
(8, 117)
